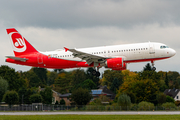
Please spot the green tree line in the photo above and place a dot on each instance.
(140, 86)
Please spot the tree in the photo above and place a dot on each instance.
(161, 98)
(41, 73)
(63, 83)
(11, 97)
(3, 87)
(13, 78)
(176, 86)
(124, 100)
(88, 84)
(115, 85)
(62, 102)
(47, 95)
(24, 95)
(147, 67)
(81, 96)
(144, 90)
(167, 80)
(110, 75)
(162, 86)
(51, 76)
(169, 99)
(132, 97)
(32, 78)
(35, 98)
(78, 77)
(91, 76)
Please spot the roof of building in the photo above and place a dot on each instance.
(103, 90)
(65, 95)
(171, 92)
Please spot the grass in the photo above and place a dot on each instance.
(90, 117)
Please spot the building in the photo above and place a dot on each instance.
(66, 98)
(103, 90)
(174, 93)
(55, 97)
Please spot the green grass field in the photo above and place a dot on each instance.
(90, 117)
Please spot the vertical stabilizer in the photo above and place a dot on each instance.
(20, 45)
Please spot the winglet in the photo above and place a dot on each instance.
(66, 49)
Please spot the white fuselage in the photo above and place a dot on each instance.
(129, 52)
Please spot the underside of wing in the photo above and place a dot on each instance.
(89, 58)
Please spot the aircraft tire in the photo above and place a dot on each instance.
(154, 68)
(97, 74)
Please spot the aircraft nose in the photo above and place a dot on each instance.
(173, 52)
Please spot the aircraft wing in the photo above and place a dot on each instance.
(89, 58)
(17, 58)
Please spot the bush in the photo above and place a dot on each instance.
(92, 103)
(169, 99)
(124, 100)
(3, 87)
(81, 96)
(97, 101)
(62, 102)
(177, 103)
(145, 106)
(35, 98)
(134, 107)
(169, 106)
(47, 95)
(56, 102)
(11, 97)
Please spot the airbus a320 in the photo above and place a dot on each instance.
(115, 57)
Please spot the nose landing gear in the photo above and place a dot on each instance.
(153, 68)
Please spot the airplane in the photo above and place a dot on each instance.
(115, 57)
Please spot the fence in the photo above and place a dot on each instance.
(42, 107)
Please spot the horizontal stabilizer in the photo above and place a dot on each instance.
(17, 58)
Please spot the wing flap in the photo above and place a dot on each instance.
(89, 58)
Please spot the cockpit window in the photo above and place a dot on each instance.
(162, 47)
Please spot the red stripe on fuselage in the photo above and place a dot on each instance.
(44, 61)
(144, 60)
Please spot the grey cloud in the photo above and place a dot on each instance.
(87, 13)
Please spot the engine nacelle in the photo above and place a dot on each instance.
(116, 64)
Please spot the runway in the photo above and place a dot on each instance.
(95, 113)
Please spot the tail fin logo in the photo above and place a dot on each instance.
(18, 42)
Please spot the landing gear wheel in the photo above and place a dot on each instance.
(154, 68)
(97, 73)
(94, 73)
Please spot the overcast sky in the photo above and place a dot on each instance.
(53, 24)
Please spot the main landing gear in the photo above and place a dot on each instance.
(153, 68)
(96, 73)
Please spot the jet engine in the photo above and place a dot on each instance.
(115, 64)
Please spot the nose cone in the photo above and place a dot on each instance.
(173, 52)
